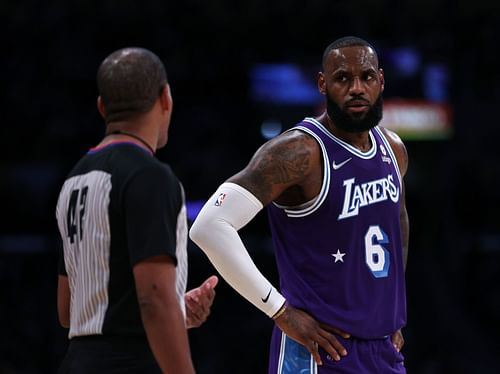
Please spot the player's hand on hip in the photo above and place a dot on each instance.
(397, 340)
(198, 302)
(304, 329)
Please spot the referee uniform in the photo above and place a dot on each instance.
(118, 206)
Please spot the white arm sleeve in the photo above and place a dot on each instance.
(215, 231)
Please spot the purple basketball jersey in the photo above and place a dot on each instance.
(340, 257)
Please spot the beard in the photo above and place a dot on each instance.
(352, 123)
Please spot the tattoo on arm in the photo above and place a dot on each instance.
(277, 165)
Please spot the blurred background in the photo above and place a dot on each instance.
(240, 73)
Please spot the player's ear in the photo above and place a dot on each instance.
(101, 108)
(321, 83)
(382, 79)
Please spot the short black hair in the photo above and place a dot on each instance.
(129, 81)
(346, 41)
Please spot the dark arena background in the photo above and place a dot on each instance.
(240, 73)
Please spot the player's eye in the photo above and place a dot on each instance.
(369, 76)
(341, 78)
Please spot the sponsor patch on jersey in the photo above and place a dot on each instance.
(382, 149)
(220, 199)
(384, 154)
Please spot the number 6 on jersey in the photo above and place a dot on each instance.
(376, 256)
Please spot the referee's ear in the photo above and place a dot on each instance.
(166, 98)
(101, 108)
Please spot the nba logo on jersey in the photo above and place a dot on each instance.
(220, 199)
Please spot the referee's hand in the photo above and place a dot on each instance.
(198, 302)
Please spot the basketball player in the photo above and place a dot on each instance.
(122, 219)
(335, 195)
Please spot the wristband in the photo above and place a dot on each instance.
(280, 311)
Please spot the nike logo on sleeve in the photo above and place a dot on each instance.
(264, 300)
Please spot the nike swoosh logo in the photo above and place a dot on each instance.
(338, 166)
(267, 297)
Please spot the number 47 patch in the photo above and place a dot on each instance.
(76, 213)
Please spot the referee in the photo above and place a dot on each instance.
(122, 220)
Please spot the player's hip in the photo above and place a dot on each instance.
(364, 357)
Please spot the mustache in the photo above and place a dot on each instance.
(357, 100)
